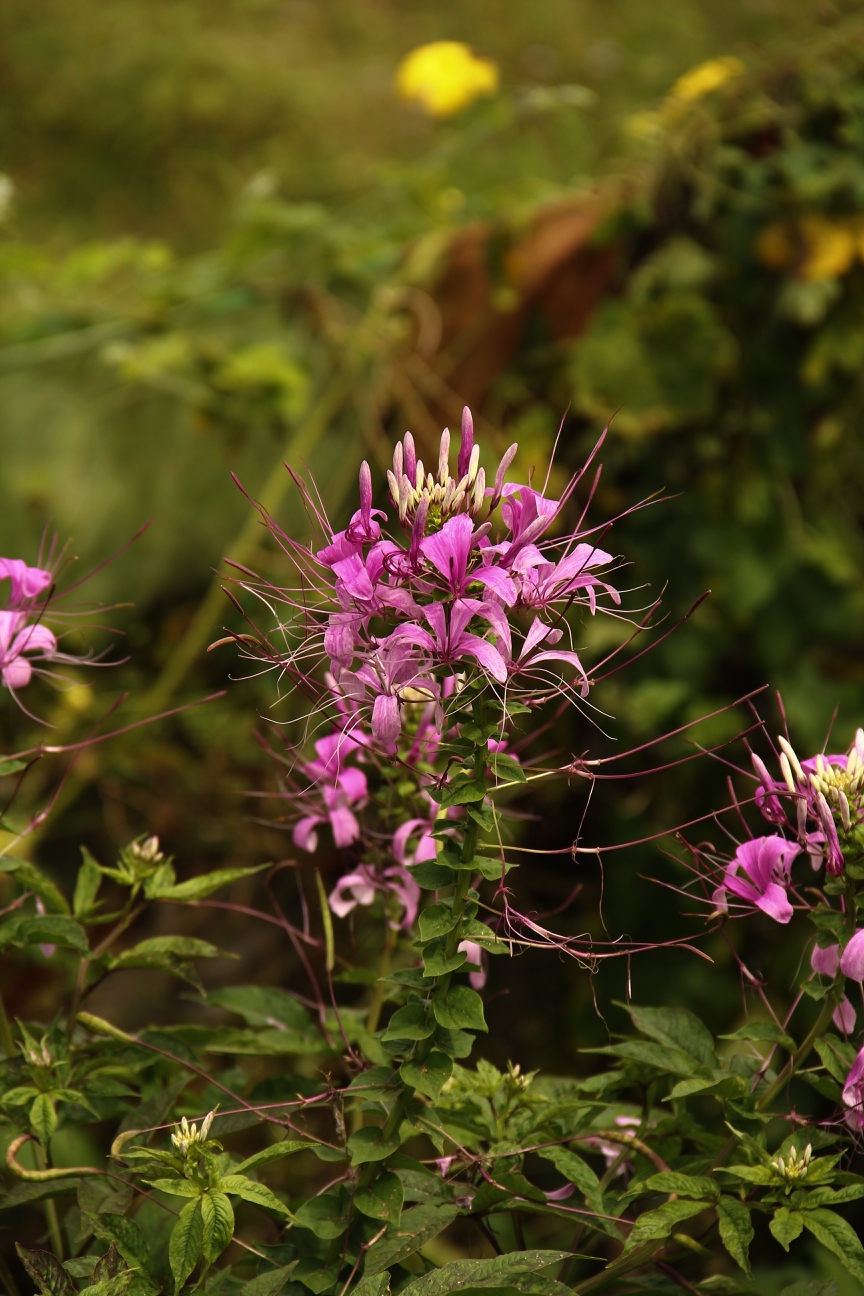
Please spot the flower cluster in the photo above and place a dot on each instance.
(23, 636)
(400, 615)
(469, 593)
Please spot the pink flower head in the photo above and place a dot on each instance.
(765, 863)
(19, 642)
(25, 583)
(425, 848)
(526, 513)
(542, 583)
(852, 958)
(853, 1093)
(362, 885)
(339, 787)
(449, 552)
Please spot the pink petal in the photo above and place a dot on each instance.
(843, 1016)
(17, 673)
(775, 903)
(345, 827)
(386, 721)
(304, 835)
(852, 958)
(825, 960)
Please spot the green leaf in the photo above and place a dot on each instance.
(506, 768)
(318, 1275)
(377, 1285)
(811, 1288)
(736, 1231)
(834, 1054)
(218, 1223)
(430, 1075)
(50, 929)
(10, 765)
(382, 1200)
(174, 1187)
(325, 1214)
(436, 920)
(461, 790)
(159, 947)
(727, 1084)
(834, 1233)
(409, 1023)
(461, 1009)
(272, 1153)
(253, 1192)
(369, 1144)
(46, 1272)
(184, 1246)
(678, 1028)
(127, 1237)
(786, 1225)
(430, 875)
(87, 885)
(197, 887)
(269, 1283)
(417, 1227)
(685, 1185)
(484, 815)
(43, 1118)
(500, 1271)
(436, 963)
(663, 1057)
(456, 1043)
(572, 1167)
(763, 1031)
(659, 1223)
(33, 879)
(758, 1174)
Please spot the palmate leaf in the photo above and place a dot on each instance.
(501, 1271)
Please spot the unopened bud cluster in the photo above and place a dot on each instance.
(793, 1168)
(186, 1136)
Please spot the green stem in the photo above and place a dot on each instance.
(51, 1218)
(7, 1040)
(378, 993)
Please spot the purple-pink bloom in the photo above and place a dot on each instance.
(17, 638)
(852, 958)
(449, 552)
(450, 641)
(765, 863)
(526, 513)
(361, 886)
(25, 582)
(542, 582)
(825, 959)
(425, 848)
(340, 787)
(853, 1093)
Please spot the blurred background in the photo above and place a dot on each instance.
(228, 239)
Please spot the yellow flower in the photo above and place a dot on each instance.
(445, 76)
(705, 77)
(831, 248)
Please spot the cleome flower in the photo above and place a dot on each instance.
(759, 873)
(186, 1136)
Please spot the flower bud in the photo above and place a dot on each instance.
(466, 445)
(852, 958)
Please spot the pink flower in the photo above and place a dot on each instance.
(25, 582)
(852, 958)
(475, 955)
(425, 848)
(853, 1093)
(362, 885)
(542, 582)
(17, 638)
(449, 552)
(825, 959)
(765, 863)
(339, 786)
(451, 641)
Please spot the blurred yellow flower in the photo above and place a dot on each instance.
(705, 77)
(815, 247)
(831, 248)
(445, 76)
